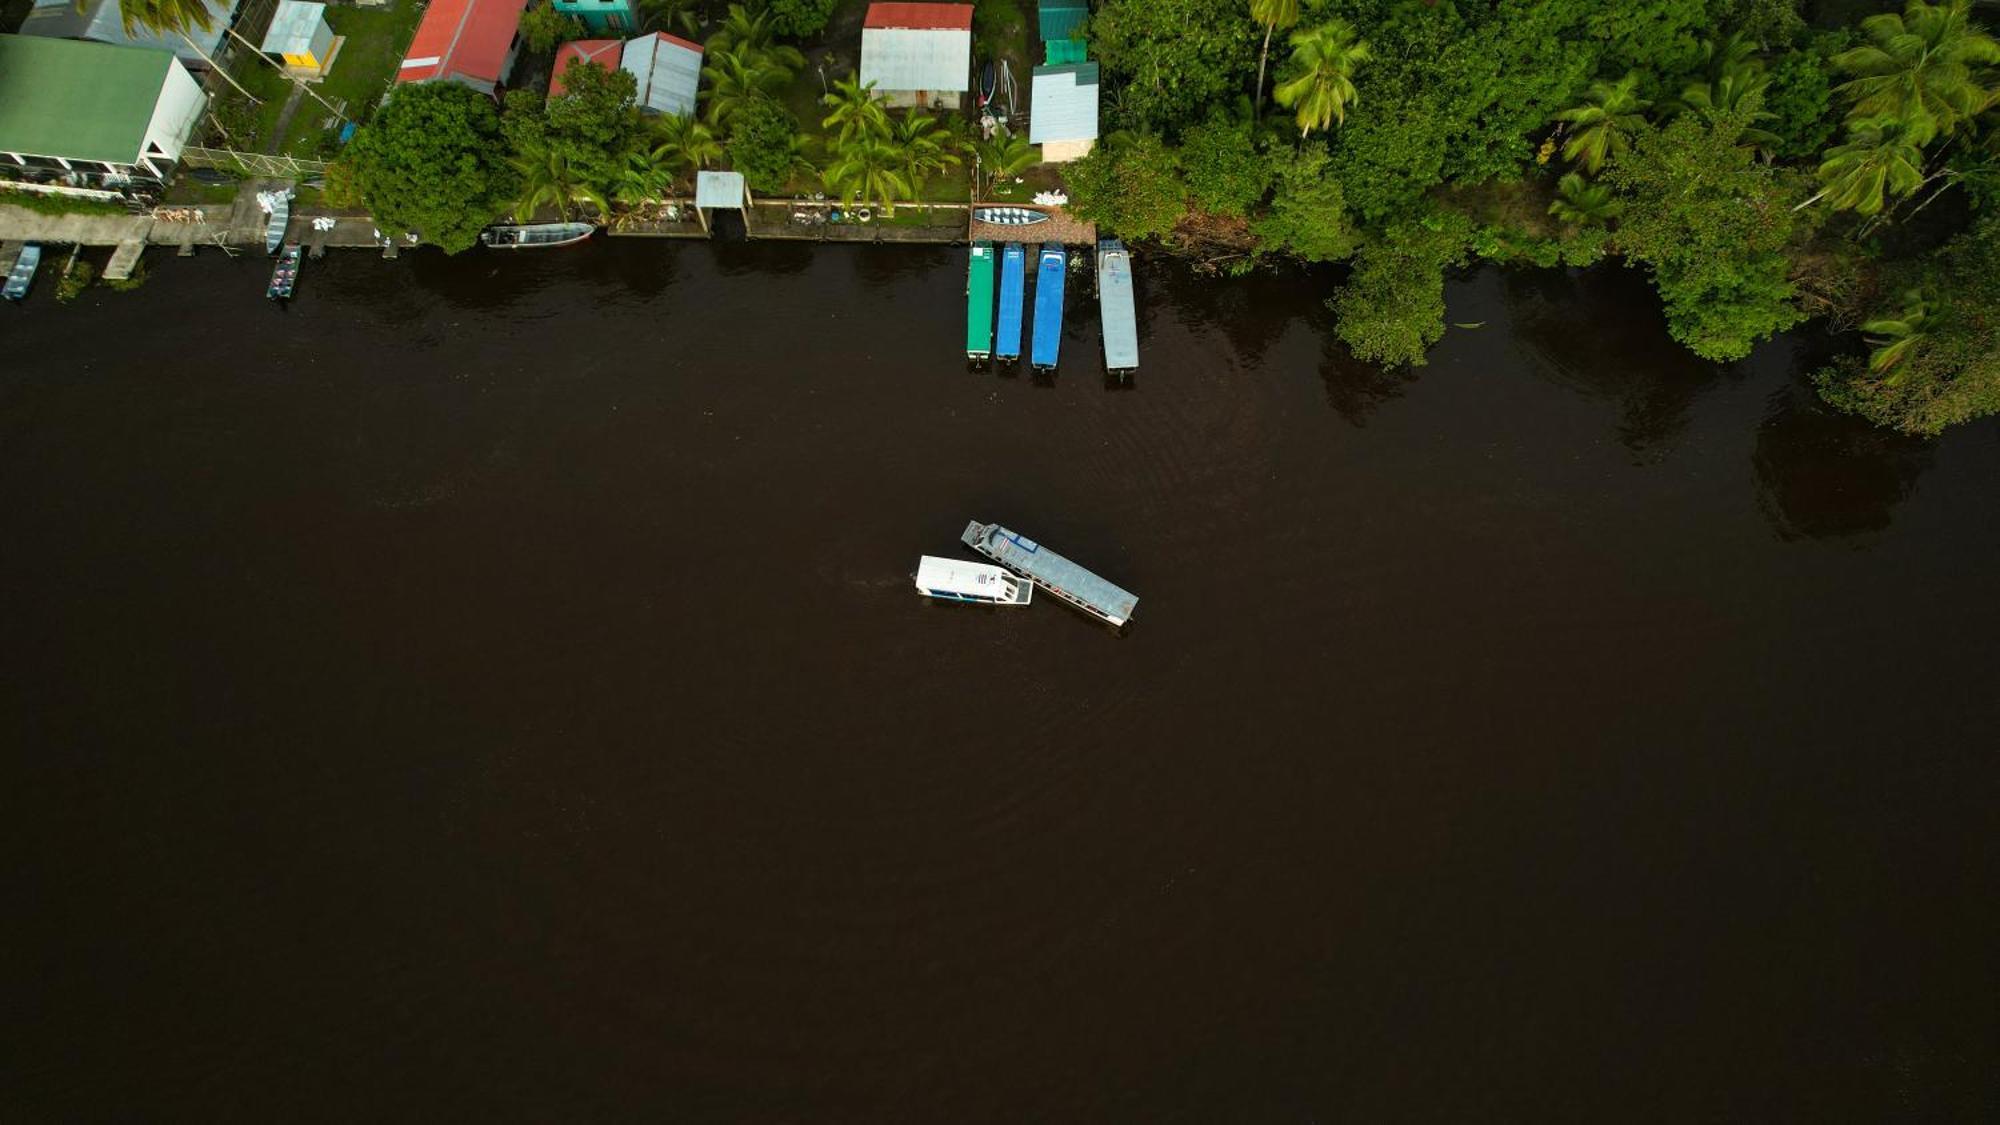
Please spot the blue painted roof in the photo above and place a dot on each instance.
(1049, 304)
(1013, 286)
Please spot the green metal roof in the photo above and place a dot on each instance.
(1061, 19)
(1066, 52)
(79, 101)
(979, 301)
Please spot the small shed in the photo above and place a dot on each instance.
(918, 54)
(301, 36)
(1063, 111)
(724, 190)
(1061, 19)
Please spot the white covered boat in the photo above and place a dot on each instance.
(956, 580)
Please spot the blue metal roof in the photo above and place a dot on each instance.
(1049, 305)
(1013, 287)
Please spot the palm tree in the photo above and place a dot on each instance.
(685, 144)
(1921, 66)
(1882, 157)
(744, 29)
(1325, 59)
(925, 152)
(1892, 339)
(1581, 202)
(667, 15)
(1005, 154)
(1273, 14)
(735, 79)
(1604, 122)
(856, 110)
(546, 177)
(869, 168)
(1738, 91)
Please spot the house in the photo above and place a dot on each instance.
(300, 35)
(918, 54)
(666, 69)
(94, 115)
(99, 21)
(473, 42)
(1062, 115)
(600, 16)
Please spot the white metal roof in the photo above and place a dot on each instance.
(1063, 104)
(718, 189)
(667, 70)
(293, 27)
(957, 576)
(916, 58)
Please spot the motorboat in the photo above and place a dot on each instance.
(956, 580)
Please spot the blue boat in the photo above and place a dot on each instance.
(1049, 272)
(1013, 288)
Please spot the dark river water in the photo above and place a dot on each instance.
(493, 690)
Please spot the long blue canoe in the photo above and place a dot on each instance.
(1013, 287)
(1049, 272)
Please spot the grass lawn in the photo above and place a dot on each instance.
(375, 41)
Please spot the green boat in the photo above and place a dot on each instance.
(979, 303)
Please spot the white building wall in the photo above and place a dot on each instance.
(175, 114)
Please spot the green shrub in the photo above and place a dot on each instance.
(60, 204)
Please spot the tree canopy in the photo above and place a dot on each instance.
(433, 162)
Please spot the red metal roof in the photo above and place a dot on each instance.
(603, 52)
(929, 17)
(468, 38)
(677, 41)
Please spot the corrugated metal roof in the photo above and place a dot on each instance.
(462, 38)
(667, 70)
(1065, 52)
(903, 59)
(293, 27)
(956, 17)
(718, 189)
(1061, 19)
(79, 101)
(1063, 104)
(100, 22)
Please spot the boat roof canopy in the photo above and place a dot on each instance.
(958, 576)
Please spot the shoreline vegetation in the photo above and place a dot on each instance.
(1763, 162)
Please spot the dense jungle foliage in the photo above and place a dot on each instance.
(1764, 161)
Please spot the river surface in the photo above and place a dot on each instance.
(492, 690)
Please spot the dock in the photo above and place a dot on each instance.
(979, 302)
(124, 260)
(1052, 572)
(1049, 271)
(1114, 307)
(1013, 291)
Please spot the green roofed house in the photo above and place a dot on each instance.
(92, 115)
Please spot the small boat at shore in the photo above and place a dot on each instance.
(274, 226)
(1114, 305)
(285, 278)
(955, 580)
(535, 235)
(23, 273)
(1010, 216)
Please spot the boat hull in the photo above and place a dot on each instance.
(22, 274)
(536, 236)
(1010, 216)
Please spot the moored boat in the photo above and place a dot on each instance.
(530, 235)
(1110, 604)
(22, 274)
(1114, 304)
(979, 302)
(1010, 216)
(285, 276)
(1013, 288)
(955, 580)
(1046, 344)
(274, 226)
